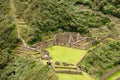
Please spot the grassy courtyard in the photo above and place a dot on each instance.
(114, 76)
(65, 54)
(70, 55)
(74, 77)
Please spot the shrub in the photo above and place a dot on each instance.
(108, 9)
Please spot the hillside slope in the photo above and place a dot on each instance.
(15, 67)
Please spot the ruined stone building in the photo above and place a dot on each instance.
(74, 40)
(69, 39)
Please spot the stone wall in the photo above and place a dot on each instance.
(68, 72)
(69, 39)
(109, 73)
(43, 44)
(79, 44)
(74, 40)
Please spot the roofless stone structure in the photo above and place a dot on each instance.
(74, 40)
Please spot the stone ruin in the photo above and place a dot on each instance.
(63, 63)
(45, 54)
(74, 40)
(57, 63)
(69, 39)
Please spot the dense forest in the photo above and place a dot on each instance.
(106, 6)
(103, 59)
(8, 34)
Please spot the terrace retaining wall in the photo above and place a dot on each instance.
(109, 73)
(68, 72)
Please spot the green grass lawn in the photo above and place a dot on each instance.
(84, 76)
(114, 76)
(65, 54)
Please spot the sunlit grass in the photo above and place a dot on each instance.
(65, 54)
(84, 76)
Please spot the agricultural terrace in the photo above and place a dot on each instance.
(84, 76)
(114, 76)
(65, 54)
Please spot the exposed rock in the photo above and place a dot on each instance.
(49, 63)
(65, 64)
(57, 63)
(45, 57)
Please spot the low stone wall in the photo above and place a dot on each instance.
(68, 72)
(66, 67)
(43, 44)
(81, 59)
(86, 54)
(82, 46)
(81, 41)
(109, 73)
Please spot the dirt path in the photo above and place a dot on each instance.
(13, 12)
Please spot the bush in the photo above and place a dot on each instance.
(110, 25)
(34, 40)
(108, 9)
(105, 20)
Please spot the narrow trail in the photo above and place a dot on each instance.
(19, 23)
(14, 16)
(13, 12)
